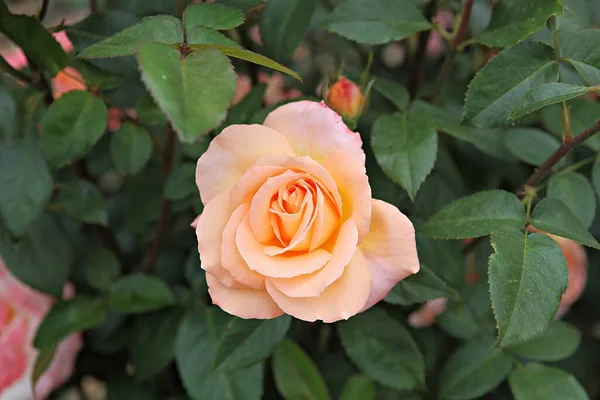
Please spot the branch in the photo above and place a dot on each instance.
(93, 6)
(414, 75)
(43, 10)
(562, 151)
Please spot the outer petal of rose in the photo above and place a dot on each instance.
(315, 284)
(276, 266)
(242, 302)
(194, 223)
(15, 358)
(61, 367)
(576, 258)
(390, 249)
(341, 300)
(209, 231)
(231, 259)
(231, 153)
(314, 129)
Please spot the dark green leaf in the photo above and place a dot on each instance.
(583, 113)
(83, 201)
(283, 24)
(444, 257)
(26, 181)
(579, 49)
(498, 86)
(130, 148)
(194, 92)
(68, 317)
(545, 95)
(181, 182)
(101, 268)
(139, 293)
(528, 275)
(560, 341)
(383, 349)
(577, 193)
(423, 286)
(196, 149)
(539, 382)
(473, 370)
(531, 145)
(157, 29)
(514, 20)
(249, 341)
(476, 215)
(215, 16)
(296, 376)
(596, 176)
(553, 216)
(377, 21)
(358, 387)
(72, 125)
(42, 362)
(405, 146)
(393, 91)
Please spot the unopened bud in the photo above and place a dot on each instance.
(346, 98)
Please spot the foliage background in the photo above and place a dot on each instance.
(110, 211)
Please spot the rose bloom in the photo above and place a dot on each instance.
(289, 225)
(345, 97)
(22, 309)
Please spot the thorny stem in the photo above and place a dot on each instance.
(416, 69)
(43, 10)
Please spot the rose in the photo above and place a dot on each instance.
(289, 225)
(21, 312)
(346, 98)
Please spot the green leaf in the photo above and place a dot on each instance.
(560, 341)
(68, 317)
(36, 42)
(164, 29)
(249, 56)
(358, 387)
(201, 35)
(473, 370)
(283, 24)
(577, 193)
(393, 91)
(181, 182)
(579, 49)
(445, 258)
(242, 112)
(595, 176)
(249, 341)
(540, 382)
(215, 16)
(476, 215)
(82, 200)
(498, 86)
(528, 275)
(405, 146)
(72, 125)
(418, 288)
(296, 375)
(382, 348)
(583, 113)
(101, 268)
(194, 93)
(42, 362)
(553, 216)
(139, 293)
(130, 148)
(27, 182)
(545, 95)
(531, 145)
(377, 21)
(514, 20)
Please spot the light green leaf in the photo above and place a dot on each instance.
(202, 35)
(528, 275)
(296, 376)
(577, 193)
(553, 216)
(283, 24)
(514, 20)
(540, 382)
(72, 125)
(194, 93)
(82, 200)
(249, 341)
(418, 288)
(476, 215)
(383, 349)
(164, 29)
(377, 21)
(583, 113)
(579, 49)
(393, 91)
(181, 182)
(101, 268)
(560, 341)
(137, 293)
(130, 148)
(531, 145)
(405, 146)
(498, 86)
(545, 95)
(212, 15)
(473, 370)
(26, 181)
(358, 387)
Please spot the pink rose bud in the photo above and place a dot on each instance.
(346, 98)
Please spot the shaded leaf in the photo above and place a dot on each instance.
(577, 193)
(212, 15)
(560, 341)
(531, 145)
(545, 95)
(130, 148)
(579, 49)
(181, 182)
(82, 200)
(418, 288)
(539, 382)
(358, 387)
(101, 268)
(393, 91)
(139, 293)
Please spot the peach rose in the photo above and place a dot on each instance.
(21, 311)
(289, 225)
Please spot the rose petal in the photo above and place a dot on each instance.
(341, 300)
(231, 153)
(242, 302)
(390, 249)
(314, 129)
